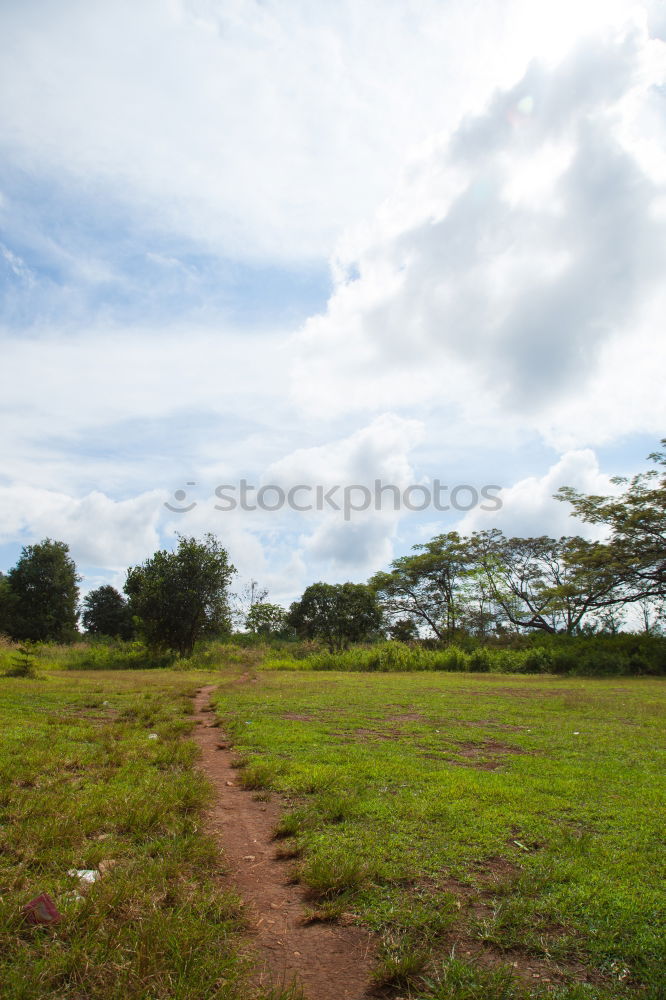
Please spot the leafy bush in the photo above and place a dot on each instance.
(480, 660)
(535, 661)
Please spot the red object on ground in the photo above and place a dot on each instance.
(42, 910)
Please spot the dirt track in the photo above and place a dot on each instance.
(328, 961)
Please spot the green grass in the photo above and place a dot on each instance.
(599, 655)
(116, 654)
(516, 819)
(489, 827)
(82, 787)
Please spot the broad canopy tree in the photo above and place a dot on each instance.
(636, 520)
(490, 583)
(545, 584)
(339, 614)
(441, 589)
(427, 587)
(178, 597)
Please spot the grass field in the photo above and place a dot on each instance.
(83, 787)
(504, 834)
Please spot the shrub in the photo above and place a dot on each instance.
(535, 661)
(480, 660)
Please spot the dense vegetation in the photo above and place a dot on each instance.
(482, 603)
(587, 655)
(487, 584)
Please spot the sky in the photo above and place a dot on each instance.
(309, 244)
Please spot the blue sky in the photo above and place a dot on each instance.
(319, 244)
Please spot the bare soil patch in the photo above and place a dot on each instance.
(487, 755)
(407, 717)
(377, 734)
(329, 962)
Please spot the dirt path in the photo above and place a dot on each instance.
(328, 961)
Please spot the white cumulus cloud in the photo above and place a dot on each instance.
(528, 507)
(509, 277)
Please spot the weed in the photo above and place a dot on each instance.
(290, 824)
(257, 775)
(400, 962)
(334, 873)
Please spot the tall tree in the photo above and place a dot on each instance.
(636, 520)
(431, 586)
(44, 593)
(339, 614)
(181, 596)
(546, 584)
(6, 604)
(106, 612)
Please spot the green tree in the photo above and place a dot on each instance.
(180, 596)
(44, 594)
(636, 520)
(403, 630)
(6, 604)
(106, 612)
(430, 587)
(266, 619)
(339, 614)
(546, 584)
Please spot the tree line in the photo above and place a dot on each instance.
(487, 584)
(172, 600)
(484, 584)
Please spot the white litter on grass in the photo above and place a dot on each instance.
(153, 736)
(89, 875)
(576, 733)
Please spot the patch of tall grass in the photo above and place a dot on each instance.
(585, 655)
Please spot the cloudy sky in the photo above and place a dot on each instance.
(304, 243)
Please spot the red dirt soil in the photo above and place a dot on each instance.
(328, 961)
